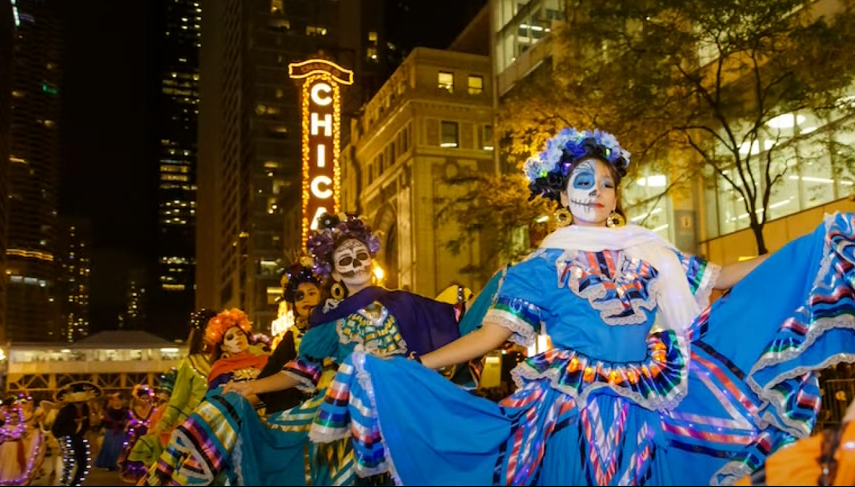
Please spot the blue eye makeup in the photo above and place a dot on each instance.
(583, 180)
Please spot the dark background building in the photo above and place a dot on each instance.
(104, 127)
(32, 313)
(74, 258)
(135, 316)
(7, 34)
(172, 297)
(249, 133)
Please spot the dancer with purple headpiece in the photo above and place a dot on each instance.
(225, 438)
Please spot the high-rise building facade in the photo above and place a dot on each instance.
(32, 312)
(179, 112)
(74, 280)
(250, 133)
(433, 120)
(7, 36)
(134, 317)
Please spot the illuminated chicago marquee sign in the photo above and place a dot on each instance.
(321, 107)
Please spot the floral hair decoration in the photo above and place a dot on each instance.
(294, 276)
(220, 324)
(17, 399)
(332, 231)
(141, 391)
(547, 172)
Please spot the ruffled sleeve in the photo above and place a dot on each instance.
(318, 343)
(702, 276)
(518, 304)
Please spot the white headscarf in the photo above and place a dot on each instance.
(677, 306)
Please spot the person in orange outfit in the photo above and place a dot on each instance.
(824, 459)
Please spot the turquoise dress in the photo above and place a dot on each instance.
(619, 400)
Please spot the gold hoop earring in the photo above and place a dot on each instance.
(337, 291)
(615, 220)
(563, 217)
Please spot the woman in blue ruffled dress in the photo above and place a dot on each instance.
(644, 385)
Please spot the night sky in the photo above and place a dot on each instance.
(107, 173)
(110, 95)
(428, 23)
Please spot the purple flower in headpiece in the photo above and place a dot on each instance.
(547, 172)
(332, 232)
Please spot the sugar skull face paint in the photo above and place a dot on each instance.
(591, 193)
(235, 341)
(352, 264)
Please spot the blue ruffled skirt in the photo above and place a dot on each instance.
(224, 439)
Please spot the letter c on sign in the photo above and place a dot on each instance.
(316, 187)
(322, 100)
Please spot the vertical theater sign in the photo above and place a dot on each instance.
(321, 114)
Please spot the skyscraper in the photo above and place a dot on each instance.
(74, 280)
(31, 313)
(249, 132)
(179, 111)
(7, 35)
(134, 317)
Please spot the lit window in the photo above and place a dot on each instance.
(487, 137)
(273, 294)
(173, 177)
(446, 81)
(280, 132)
(280, 24)
(276, 6)
(313, 30)
(264, 109)
(371, 53)
(450, 135)
(476, 85)
(372, 37)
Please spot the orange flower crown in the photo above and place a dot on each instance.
(220, 324)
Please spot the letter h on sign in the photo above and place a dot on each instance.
(321, 113)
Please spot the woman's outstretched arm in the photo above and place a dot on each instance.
(476, 344)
